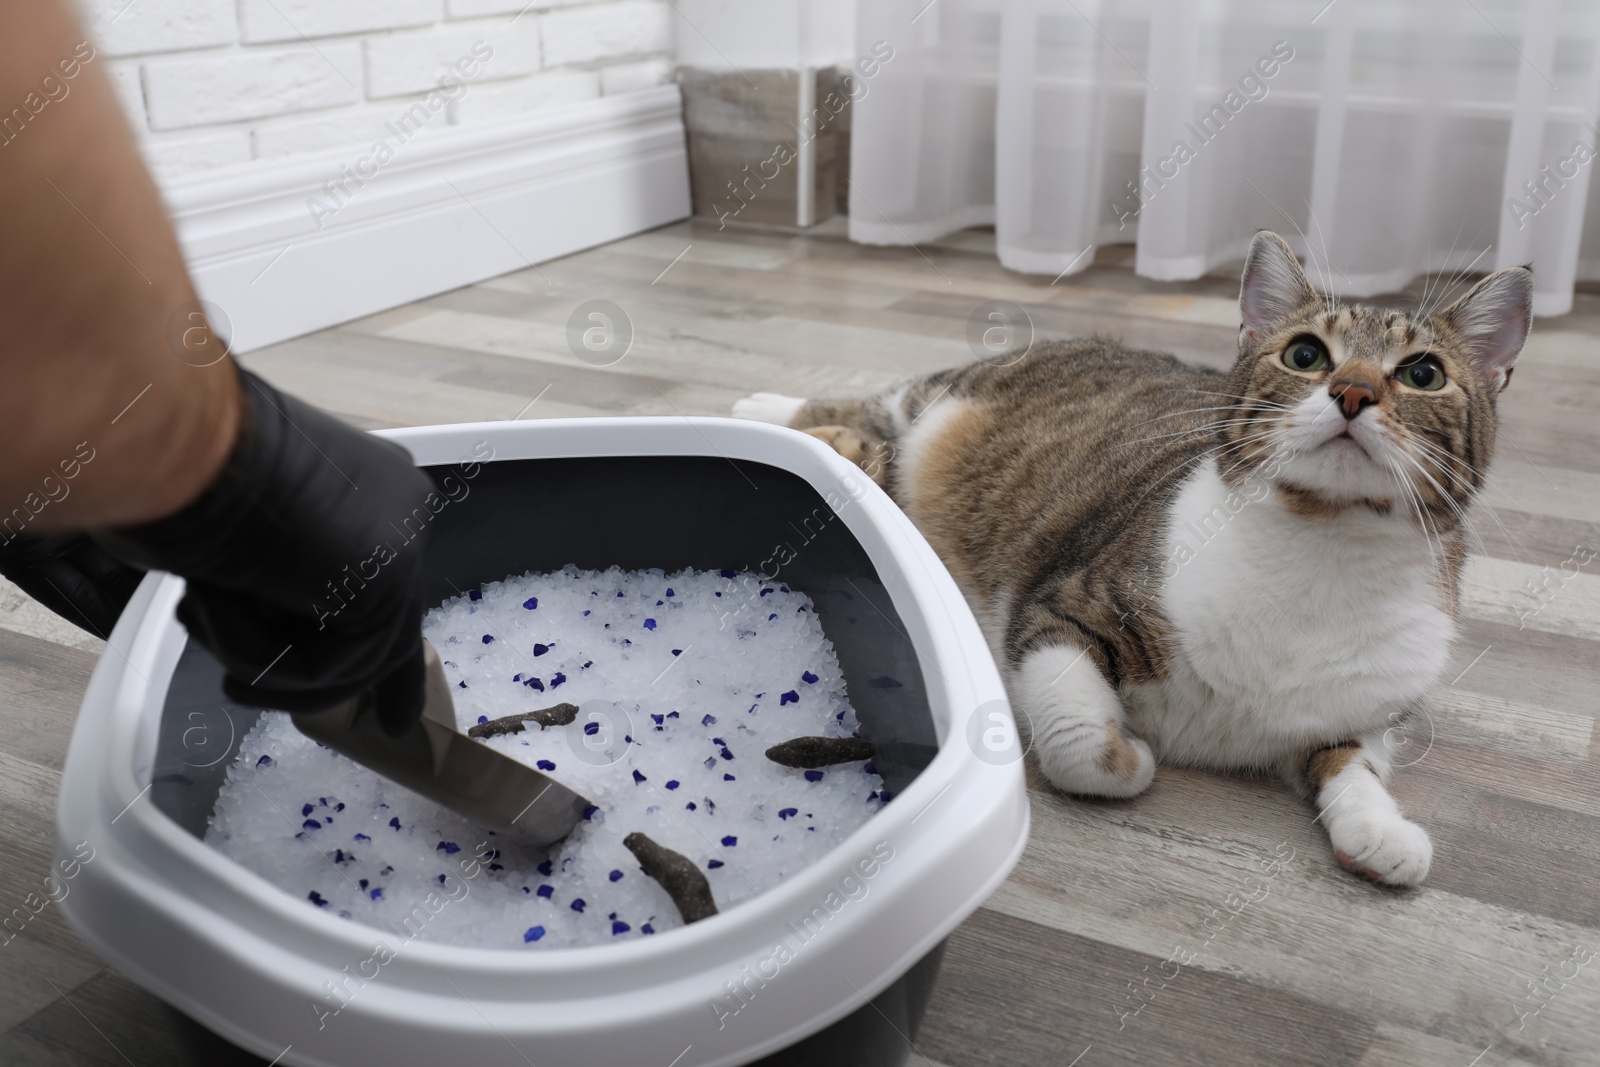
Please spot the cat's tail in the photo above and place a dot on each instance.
(769, 407)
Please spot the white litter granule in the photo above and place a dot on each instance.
(683, 681)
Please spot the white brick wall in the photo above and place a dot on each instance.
(215, 83)
(120, 28)
(528, 94)
(603, 31)
(414, 62)
(229, 87)
(631, 77)
(173, 154)
(293, 20)
(464, 9)
(320, 131)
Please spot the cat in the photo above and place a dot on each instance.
(1256, 570)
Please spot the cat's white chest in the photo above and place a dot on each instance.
(1289, 630)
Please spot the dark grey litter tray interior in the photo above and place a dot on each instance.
(670, 512)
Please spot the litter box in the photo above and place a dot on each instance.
(834, 966)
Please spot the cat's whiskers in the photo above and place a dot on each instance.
(1428, 279)
(1235, 396)
(1420, 438)
(1482, 487)
(1431, 456)
(1251, 406)
(1223, 447)
(1208, 427)
(1447, 286)
(1263, 405)
(1179, 471)
(1434, 454)
(1242, 443)
(1431, 534)
(1331, 298)
(1413, 502)
(1280, 426)
(1455, 277)
(1448, 500)
(1438, 457)
(1242, 460)
(1248, 416)
(1473, 489)
(1325, 291)
(1443, 457)
(1257, 400)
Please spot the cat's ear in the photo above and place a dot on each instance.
(1273, 287)
(1493, 321)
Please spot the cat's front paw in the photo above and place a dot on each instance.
(1075, 722)
(1097, 759)
(1384, 846)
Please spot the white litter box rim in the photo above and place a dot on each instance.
(249, 959)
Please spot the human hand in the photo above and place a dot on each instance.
(73, 577)
(304, 573)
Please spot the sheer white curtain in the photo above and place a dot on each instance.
(1384, 138)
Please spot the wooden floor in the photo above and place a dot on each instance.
(1307, 966)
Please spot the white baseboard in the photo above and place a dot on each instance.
(450, 208)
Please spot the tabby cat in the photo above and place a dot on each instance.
(1257, 570)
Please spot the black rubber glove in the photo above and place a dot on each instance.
(73, 577)
(304, 562)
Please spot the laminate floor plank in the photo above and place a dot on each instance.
(41, 685)
(1001, 964)
(1211, 894)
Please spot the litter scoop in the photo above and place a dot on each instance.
(448, 767)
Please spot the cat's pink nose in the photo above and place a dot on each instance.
(1352, 397)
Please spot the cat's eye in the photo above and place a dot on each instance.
(1423, 372)
(1306, 354)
